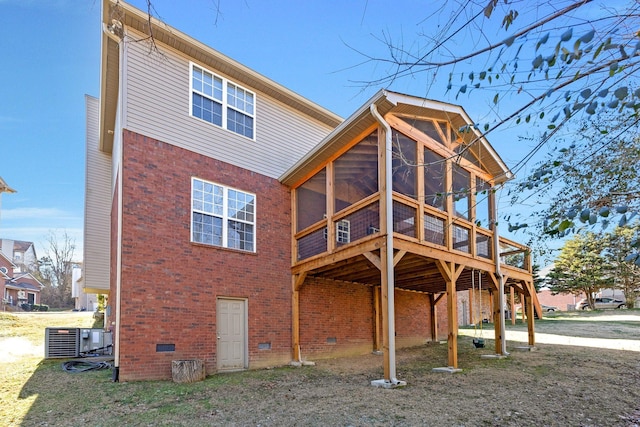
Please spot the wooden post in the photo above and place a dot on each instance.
(513, 306)
(472, 299)
(296, 283)
(450, 272)
(376, 319)
(434, 318)
(497, 312)
(530, 313)
(452, 318)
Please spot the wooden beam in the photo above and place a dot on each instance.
(532, 291)
(531, 321)
(377, 302)
(444, 268)
(494, 279)
(295, 321)
(513, 306)
(472, 298)
(330, 208)
(432, 251)
(398, 256)
(513, 252)
(497, 325)
(343, 254)
(339, 153)
(450, 272)
(373, 258)
(434, 145)
(434, 316)
(294, 224)
(452, 318)
(298, 280)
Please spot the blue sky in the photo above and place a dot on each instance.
(51, 59)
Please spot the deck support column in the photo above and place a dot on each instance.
(497, 315)
(433, 301)
(512, 303)
(387, 282)
(450, 272)
(530, 310)
(376, 316)
(296, 283)
(498, 321)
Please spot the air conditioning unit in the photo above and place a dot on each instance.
(61, 342)
(94, 342)
(76, 342)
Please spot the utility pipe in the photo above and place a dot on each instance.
(389, 227)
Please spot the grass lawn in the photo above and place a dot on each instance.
(559, 385)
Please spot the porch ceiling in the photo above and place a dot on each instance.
(413, 273)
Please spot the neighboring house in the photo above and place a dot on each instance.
(232, 220)
(17, 287)
(23, 254)
(22, 288)
(6, 271)
(81, 300)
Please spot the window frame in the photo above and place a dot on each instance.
(343, 231)
(224, 101)
(224, 216)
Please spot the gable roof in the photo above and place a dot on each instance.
(396, 103)
(117, 15)
(21, 245)
(4, 187)
(26, 278)
(24, 286)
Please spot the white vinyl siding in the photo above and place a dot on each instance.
(157, 106)
(97, 222)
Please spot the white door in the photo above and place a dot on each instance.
(231, 334)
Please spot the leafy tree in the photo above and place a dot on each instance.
(55, 271)
(581, 267)
(626, 275)
(547, 65)
(593, 179)
(538, 282)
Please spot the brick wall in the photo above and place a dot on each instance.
(337, 318)
(170, 285)
(413, 314)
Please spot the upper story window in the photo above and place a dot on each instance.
(217, 100)
(222, 216)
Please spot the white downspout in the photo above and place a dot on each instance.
(389, 226)
(118, 173)
(496, 251)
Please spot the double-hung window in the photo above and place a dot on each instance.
(223, 103)
(222, 216)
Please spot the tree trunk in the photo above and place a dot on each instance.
(187, 371)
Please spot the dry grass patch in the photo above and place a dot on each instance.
(552, 386)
